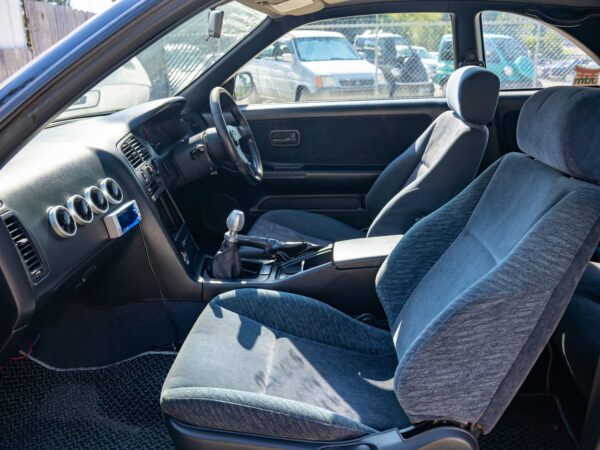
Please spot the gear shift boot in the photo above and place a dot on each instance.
(227, 263)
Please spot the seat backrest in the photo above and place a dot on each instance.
(442, 161)
(473, 291)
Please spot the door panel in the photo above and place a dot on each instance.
(340, 137)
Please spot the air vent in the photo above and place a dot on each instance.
(134, 151)
(29, 255)
(195, 126)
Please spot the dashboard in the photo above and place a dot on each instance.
(79, 196)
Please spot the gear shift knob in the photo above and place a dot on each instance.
(235, 222)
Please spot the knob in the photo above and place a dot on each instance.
(80, 209)
(235, 221)
(96, 199)
(112, 191)
(62, 221)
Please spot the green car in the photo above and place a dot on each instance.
(505, 56)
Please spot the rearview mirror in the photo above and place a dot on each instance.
(215, 23)
(243, 85)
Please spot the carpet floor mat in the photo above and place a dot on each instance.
(118, 407)
(530, 422)
(111, 407)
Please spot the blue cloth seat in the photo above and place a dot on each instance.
(472, 294)
(275, 363)
(436, 167)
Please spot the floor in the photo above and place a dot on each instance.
(112, 407)
(117, 407)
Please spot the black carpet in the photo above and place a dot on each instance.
(530, 422)
(118, 407)
(113, 407)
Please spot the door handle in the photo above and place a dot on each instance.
(284, 138)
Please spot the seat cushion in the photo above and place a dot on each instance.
(283, 365)
(293, 226)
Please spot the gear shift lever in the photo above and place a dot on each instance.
(235, 223)
(227, 263)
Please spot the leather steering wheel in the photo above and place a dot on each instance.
(232, 136)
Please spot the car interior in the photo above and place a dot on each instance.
(199, 270)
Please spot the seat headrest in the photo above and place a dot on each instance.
(472, 93)
(560, 127)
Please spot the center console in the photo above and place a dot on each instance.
(340, 274)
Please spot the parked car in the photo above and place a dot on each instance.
(313, 65)
(428, 59)
(564, 70)
(401, 64)
(505, 56)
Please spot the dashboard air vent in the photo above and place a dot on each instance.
(29, 254)
(134, 151)
(193, 124)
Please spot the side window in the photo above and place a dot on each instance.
(380, 56)
(527, 54)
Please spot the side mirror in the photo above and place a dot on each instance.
(286, 57)
(362, 55)
(243, 85)
(215, 23)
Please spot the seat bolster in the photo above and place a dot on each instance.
(257, 413)
(291, 225)
(306, 318)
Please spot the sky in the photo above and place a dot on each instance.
(95, 6)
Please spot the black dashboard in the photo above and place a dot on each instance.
(58, 191)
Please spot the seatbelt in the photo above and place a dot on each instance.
(590, 437)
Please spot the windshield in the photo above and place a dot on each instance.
(325, 49)
(169, 65)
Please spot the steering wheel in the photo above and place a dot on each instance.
(232, 136)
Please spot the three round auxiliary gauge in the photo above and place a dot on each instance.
(80, 210)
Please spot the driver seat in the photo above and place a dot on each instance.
(436, 167)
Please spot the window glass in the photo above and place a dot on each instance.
(379, 56)
(169, 65)
(525, 53)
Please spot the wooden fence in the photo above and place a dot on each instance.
(48, 23)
